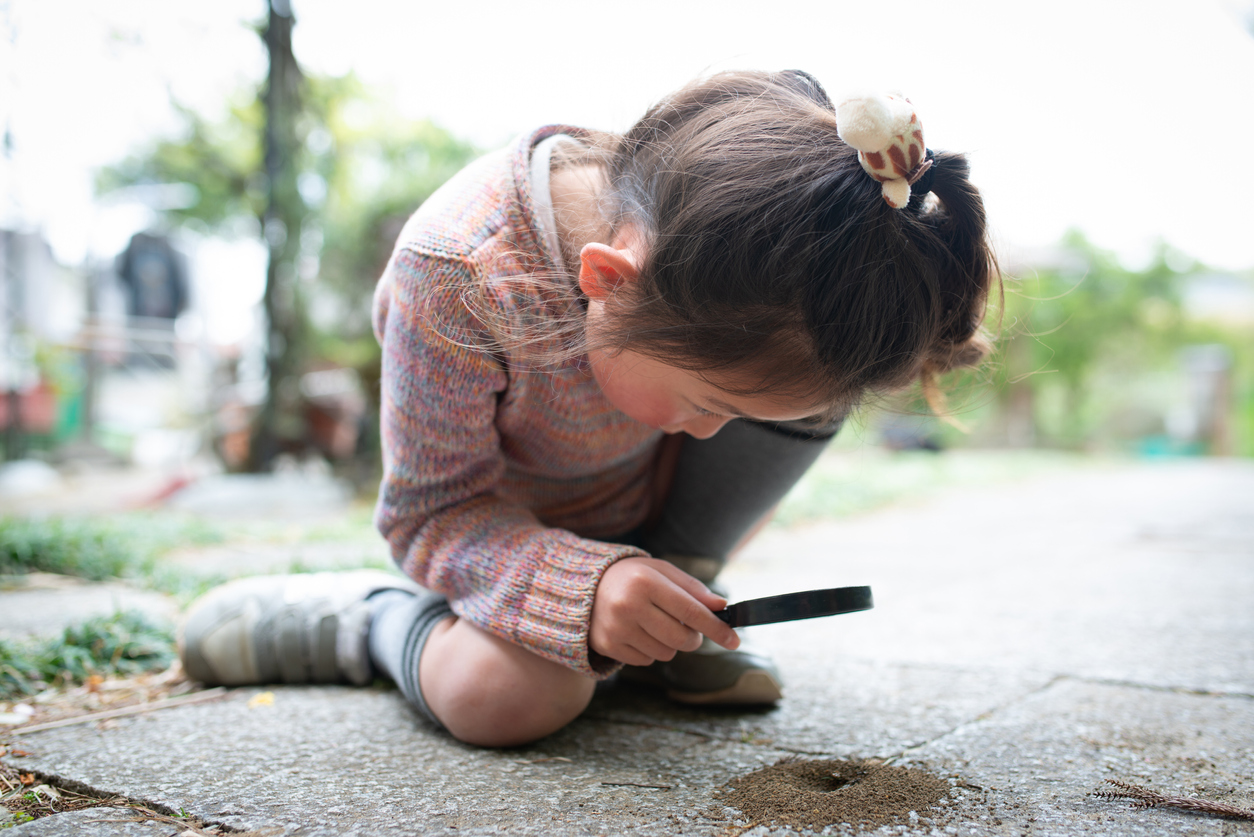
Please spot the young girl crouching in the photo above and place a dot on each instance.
(566, 326)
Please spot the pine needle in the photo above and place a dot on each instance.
(1146, 798)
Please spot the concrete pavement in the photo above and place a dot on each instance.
(1029, 641)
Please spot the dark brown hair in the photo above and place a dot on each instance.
(771, 252)
(772, 262)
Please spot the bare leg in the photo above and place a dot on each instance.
(492, 693)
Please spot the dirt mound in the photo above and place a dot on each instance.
(816, 794)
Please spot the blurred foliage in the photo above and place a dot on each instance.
(362, 171)
(124, 644)
(1089, 356)
(366, 172)
(222, 159)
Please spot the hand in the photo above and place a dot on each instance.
(647, 610)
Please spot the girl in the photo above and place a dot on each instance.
(554, 321)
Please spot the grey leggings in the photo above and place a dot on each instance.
(722, 487)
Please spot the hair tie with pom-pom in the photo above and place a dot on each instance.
(921, 179)
(889, 138)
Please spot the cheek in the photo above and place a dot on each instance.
(644, 403)
(653, 411)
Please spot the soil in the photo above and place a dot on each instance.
(813, 795)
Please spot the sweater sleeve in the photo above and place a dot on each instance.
(498, 565)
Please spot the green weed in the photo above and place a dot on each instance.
(19, 672)
(124, 644)
(17, 819)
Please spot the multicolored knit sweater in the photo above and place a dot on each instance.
(499, 479)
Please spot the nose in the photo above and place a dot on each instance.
(703, 427)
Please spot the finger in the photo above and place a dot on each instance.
(623, 652)
(671, 632)
(681, 605)
(692, 586)
(632, 656)
(655, 649)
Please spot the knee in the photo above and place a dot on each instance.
(508, 721)
(504, 696)
(485, 706)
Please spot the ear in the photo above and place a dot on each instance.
(604, 270)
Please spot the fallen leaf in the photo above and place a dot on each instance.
(27, 778)
(17, 754)
(262, 699)
(93, 682)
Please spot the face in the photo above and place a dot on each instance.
(676, 400)
(662, 396)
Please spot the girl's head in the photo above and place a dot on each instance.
(763, 259)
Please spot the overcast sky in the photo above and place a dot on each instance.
(1130, 119)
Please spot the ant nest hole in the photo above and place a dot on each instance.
(814, 794)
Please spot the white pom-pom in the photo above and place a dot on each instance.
(865, 122)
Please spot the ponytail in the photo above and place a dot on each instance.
(955, 227)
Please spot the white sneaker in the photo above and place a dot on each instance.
(303, 628)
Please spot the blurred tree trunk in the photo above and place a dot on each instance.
(280, 420)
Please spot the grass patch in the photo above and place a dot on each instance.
(94, 548)
(184, 586)
(86, 548)
(131, 547)
(122, 645)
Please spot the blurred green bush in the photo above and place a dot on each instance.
(1092, 356)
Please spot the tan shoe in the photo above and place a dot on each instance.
(713, 676)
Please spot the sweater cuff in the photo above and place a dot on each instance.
(556, 611)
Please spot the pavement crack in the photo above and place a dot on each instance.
(1051, 683)
(143, 807)
(1154, 687)
(983, 716)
